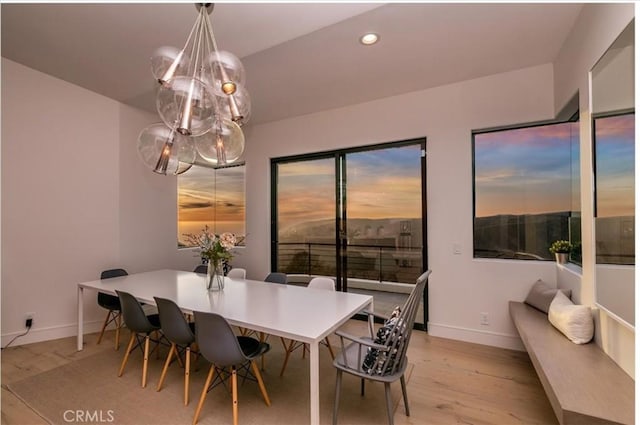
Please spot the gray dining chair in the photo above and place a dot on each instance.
(276, 277)
(112, 304)
(140, 325)
(273, 277)
(323, 283)
(181, 335)
(201, 268)
(381, 357)
(224, 350)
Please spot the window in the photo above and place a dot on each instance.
(211, 197)
(357, 214)
(526, 190)
(614, 139)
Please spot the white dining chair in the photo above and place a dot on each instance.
(323, 283)
(237, 273)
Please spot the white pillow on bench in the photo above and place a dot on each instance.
(574, 321)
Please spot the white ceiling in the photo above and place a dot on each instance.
(299, 57)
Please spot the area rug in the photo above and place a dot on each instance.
(89, 391)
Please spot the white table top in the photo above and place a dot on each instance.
(294, 312)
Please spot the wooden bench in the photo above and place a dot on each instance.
(584, 385)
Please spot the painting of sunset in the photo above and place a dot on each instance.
(524, 194)
(212, 197)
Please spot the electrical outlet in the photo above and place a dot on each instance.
(28, 320)
(484, 319)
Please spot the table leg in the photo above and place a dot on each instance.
(80, 318)
(314, 382)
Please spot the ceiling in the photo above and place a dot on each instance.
(299, 57)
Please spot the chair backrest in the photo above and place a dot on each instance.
(174, 325)
(202, 268)
(108, 274)
(400, 333)
(237, 273)
(133, 314)
(322, 283)
(276, 277)
(107, 299)
(216, 340)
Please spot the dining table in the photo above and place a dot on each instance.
(295, 312)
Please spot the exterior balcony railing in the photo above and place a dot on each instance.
(370, 262)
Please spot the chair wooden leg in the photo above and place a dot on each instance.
(234, 394)
(263, 389)
(203, 395)
(263, 337)
(387, 396)
(157, 336)
(179, 359)
(126, 354)
(403, 384)
(166, 366)
(362, 387)
(287, 353)
(145, 362)
(336, 401)
(187, 367)
(118, 325)
(333, 356)
(104, 326)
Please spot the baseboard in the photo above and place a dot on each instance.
(49, 333)
(495, 339)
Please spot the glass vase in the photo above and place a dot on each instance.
(215, 276)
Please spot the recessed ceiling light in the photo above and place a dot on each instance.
(369, 39)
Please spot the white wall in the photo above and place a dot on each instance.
(596, 28)
(60, 196)
(75, 200)
(460, 287)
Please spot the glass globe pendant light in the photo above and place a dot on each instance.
(223, 144)
(201, 100)
(166, 62)
(188, 102)
(164, 151)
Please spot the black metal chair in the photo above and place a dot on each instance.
(112, 304)
(139, 324)
(180, 334)
(381, 357)
(224, 350)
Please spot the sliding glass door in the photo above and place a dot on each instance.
(358, 215)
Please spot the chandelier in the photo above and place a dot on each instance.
(202, 102)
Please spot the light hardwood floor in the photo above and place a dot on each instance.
(453, 382)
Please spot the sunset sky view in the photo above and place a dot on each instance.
(380, 184)
(213, 197)
(615, 170)
(520, 171)
(524, 171)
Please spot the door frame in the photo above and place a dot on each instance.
(339, 156)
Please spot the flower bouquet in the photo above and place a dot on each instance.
(216, 249)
